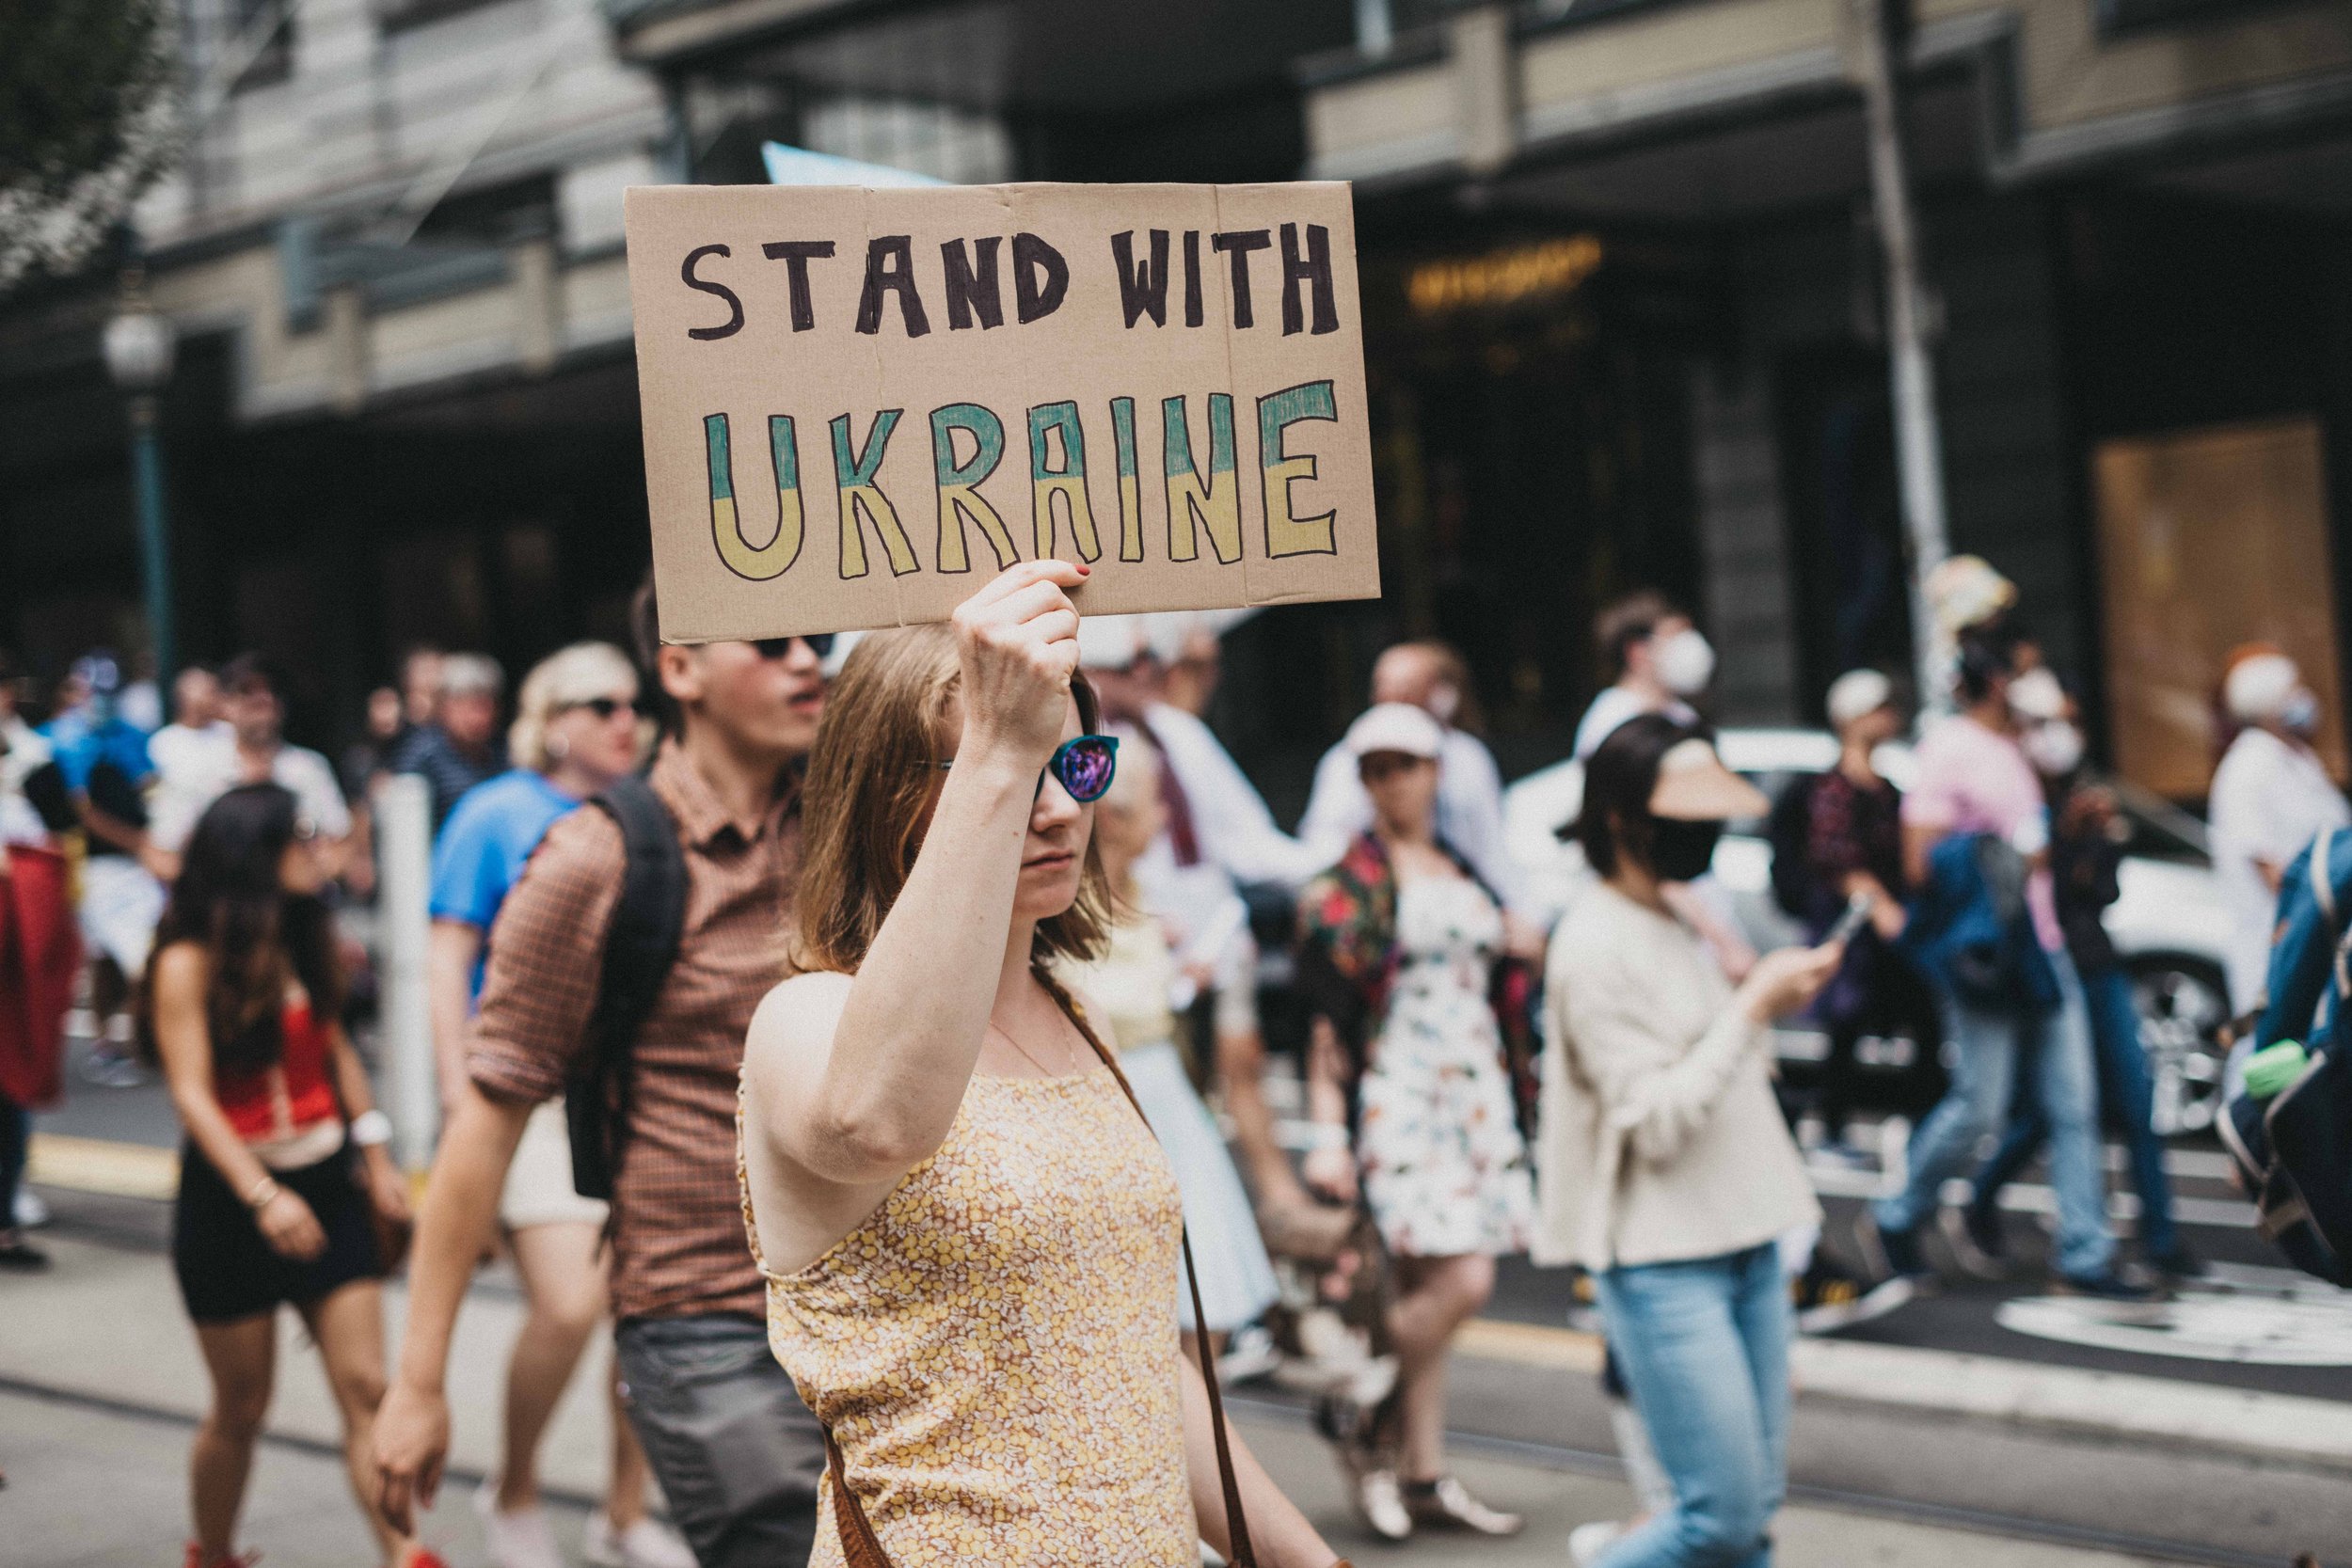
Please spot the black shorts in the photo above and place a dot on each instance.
(227, 1270)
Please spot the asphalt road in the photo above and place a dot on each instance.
(1902, 1471)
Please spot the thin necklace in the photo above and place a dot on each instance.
(1041, 1066)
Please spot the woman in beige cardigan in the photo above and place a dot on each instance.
(1666, 1169)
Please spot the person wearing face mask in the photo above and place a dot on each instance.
(1659, 661)
(1985, 924)
(2270, 797)
(1666, 1169)
(1663, 662)
(2085, 848)
(1853, 849)
(1432, 676)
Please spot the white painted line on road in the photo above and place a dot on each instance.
(1832, 1179)
(2286, 1428)
(2307, 1431)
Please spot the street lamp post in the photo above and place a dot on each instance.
(140, 345)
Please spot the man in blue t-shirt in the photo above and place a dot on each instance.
(104, 760)
(482, 851)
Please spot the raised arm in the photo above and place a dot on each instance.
(854, 1082)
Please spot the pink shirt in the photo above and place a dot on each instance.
(1973, 780)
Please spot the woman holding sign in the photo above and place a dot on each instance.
(969, 1238)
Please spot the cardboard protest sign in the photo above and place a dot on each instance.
(861, 404)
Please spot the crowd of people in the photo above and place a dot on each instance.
(813, 1020)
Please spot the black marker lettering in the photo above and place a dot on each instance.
(735, 306)
(794, 254)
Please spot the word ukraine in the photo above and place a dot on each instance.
(1199, 497)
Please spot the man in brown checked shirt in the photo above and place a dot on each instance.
(737, 1455)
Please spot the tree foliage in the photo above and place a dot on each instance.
(86, 119)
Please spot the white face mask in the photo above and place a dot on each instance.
(1685, 662)
(2300, 713)
(2037, 695)
(2055, 749)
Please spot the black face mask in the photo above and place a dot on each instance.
(1680, 851)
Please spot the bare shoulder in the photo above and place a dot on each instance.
(181, 968)
(794, 1024)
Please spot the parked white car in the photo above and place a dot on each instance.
(2168, 923)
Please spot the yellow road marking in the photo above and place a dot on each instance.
(1531, 1345)
(103, 1166)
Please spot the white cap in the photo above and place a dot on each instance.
(2258, 688)
(1394, 727)
(1110, 641)
(1857, 693)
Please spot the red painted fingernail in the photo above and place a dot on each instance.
(1085, 570)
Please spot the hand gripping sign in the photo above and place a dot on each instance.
(860, 403)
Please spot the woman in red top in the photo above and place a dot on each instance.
(285, 1168)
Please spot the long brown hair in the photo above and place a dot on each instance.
(870, 781)
(255, 936)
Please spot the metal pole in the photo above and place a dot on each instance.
(147, 489)
(403, 843)
(1918, 441)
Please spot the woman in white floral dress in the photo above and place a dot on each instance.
(1398, 955)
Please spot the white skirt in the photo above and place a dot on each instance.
(1237, 1277)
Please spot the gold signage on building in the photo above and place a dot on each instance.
(1506, 277)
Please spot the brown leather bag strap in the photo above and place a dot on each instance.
(1241, 1555)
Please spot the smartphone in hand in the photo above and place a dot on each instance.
(1858, 913)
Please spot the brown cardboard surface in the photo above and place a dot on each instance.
(867, 447)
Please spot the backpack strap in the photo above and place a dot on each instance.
(640, 947)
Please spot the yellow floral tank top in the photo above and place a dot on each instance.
(994, 1348)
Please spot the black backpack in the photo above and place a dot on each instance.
(639, 949)
(1795, 889)
(2295, 1151)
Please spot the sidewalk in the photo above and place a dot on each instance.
(100, 1381)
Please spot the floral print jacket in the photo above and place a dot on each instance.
(1348, 958)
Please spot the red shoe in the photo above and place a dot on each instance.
(424, 1556)
(227, 1559)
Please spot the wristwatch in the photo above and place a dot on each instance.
(369, 1129)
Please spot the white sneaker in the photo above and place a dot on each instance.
(1381, 1501)
(646, 1544)
(1587, 1542)
(522, 1539)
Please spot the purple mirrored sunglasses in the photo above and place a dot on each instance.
(1086, 765)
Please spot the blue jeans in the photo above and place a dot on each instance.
(737, 1455)
(2126, 1096)
(1988, 1048)
(1704, 1348)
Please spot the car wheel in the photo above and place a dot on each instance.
(2181, 1008)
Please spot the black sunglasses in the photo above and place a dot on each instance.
(820, 643)
(604, 707)
(1086, 765)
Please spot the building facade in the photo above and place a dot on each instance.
(1620, 280)
(2132, 215)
